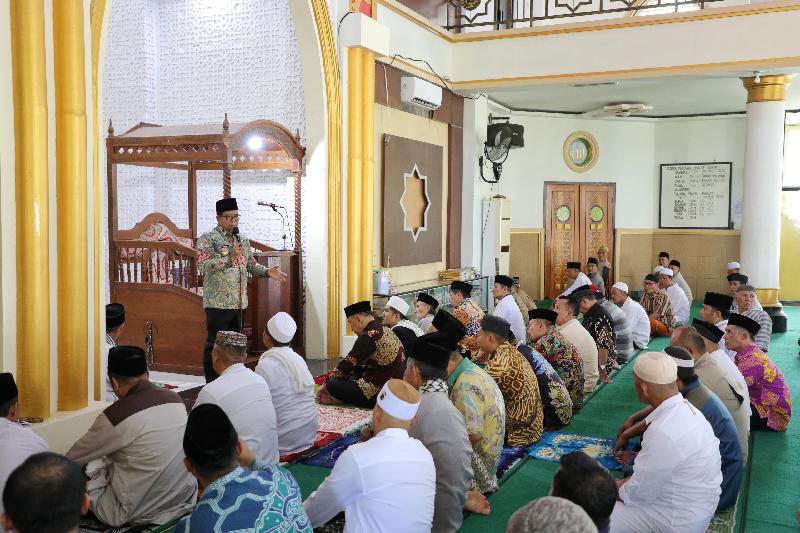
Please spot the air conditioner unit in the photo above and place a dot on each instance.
(420, 92)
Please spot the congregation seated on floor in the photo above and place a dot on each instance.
(455, 401)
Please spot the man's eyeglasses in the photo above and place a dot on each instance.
(231, 218)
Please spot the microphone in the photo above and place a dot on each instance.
(235, 232)
(270, 204)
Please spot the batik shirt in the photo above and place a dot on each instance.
(224, 282)
(264, 500)
(376, 357)
(478, 398)
(556, 402)
(520, 389)
(523, 309)
(660, 304)
(470, 314)
(769, 393)
(600, 326)
(566, 360)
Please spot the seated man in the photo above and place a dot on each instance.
(678, 279)
(732, 268)
(556, 401)
(663, 261)
(658, 307)
(516, 380)
(550, 515)
(708, 403)
(593, 272)
(717, 372)
(735, 281)
(47, 492)
(467, 312)
(716, 309)
(440, 427)
(240, 493)
(290, 385)
(523, 296)
(746, 300)
(601, 327)
(575, 278)
(581, 480)
(567, 324)
(17, 442)
(678, 298)
(387, 483)
(115, 323)
(506, 308)
(676, 482)
(523, 307)
(769, 392)
(604, 264)
(479, 400)
(623, 338)
(635, 313)
(243, 395)
(376, 357)
(395, 313)
(558, 351)
(425, 309)
(140, 436)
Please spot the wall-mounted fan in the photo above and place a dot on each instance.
(501, 137)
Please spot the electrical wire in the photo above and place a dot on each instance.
(441, 79)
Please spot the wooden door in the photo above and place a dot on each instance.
(579, 218)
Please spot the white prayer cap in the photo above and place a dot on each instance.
(395, 302)
(282, 327)
(656, 367)
(394, 406)
(621, 286)
(658, 269)
(733, 265)
(666, 271)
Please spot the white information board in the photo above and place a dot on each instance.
(695, 195)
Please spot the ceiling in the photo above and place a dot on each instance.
(668, 96)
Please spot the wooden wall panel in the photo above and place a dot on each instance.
(525, 260)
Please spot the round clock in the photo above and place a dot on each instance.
(596, 213)
(563, 213)
(580, 151)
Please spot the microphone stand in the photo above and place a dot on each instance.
(241, 283)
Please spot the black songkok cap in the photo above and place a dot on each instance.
(434, 348)
(358, 307)
(663, 254)
(675, 262)
(507, 281)
(651, 277)
(544, 314)
(127, 361)
(444, 321)
(744, 322)
(226, 204)
(707, 330)
(592, 261)
(462, 286)
(496, 325)
(574, 264)
(115, 316)
(721, 302)
(8, 387)
(209, 435)
(428, 299)
(741, 278)
(582, 288)
(407, 338)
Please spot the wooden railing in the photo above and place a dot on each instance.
(142, 262)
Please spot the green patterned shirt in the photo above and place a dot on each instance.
(223, 281)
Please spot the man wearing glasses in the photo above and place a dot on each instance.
(224, 259)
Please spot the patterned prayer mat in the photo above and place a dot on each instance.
(554, 444)
(334, 419)
(326, 457)
(508, 458)
(723, 521)
(323, 438)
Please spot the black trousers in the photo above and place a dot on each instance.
(757, 423)
(348, 391)
(218, 320)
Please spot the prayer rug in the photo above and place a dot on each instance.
(323, 438)
(554, 444)
(723, 521)
(326, 457)
(508, 458)
(334, 419)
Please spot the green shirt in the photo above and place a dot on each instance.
(223, 281)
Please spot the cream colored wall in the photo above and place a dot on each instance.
(402, 124)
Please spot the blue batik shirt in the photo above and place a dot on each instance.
(264, 500)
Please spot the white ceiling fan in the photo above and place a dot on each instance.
(617, 110)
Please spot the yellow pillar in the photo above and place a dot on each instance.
(32, 214)
(71, 178)
(356, 228)
(367, 104)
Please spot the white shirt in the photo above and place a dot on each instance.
(425, 323)
(508, 310)
(580, 281)
(679, 280)
(676, 479)
(296, 411)
(384, 485)
(639, 321)
(680, 304)
(246, 399)
(587, 349)
(18, 443)
(722, 324)
(110, 395)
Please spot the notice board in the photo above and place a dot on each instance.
(695, 195)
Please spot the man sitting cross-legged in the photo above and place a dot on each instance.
(716, 310)
(745, 301)
(240, 492)
(567, 324)
(635, 313)
(467, 312)
(243, 395)
(144, 480)
(675, 485)
(658, 307)
(290, 384)
(680, 303)
(386, 484)
(425, 309)
(600, 326)
(623, 337)
(558, 351)
(394, 316)
(581, 480)
(376, 356)
(679, 280)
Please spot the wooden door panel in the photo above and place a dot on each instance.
(562, 234)
(597, 226)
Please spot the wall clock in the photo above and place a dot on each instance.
(581, 151)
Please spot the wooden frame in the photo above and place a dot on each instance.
(729, 223)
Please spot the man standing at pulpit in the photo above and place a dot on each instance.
(225, 260)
